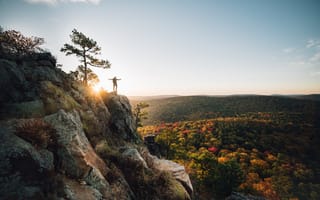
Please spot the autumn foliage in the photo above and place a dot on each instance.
(36, 131)
(265, 155)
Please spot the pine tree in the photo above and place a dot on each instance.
(92, 78)
(87, 50)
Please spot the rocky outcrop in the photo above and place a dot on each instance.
(60, 140)
(75, 153)
(178, 171)
(20, 79)
(20, 76)
(146, 175)
(134, 155)
(122, 120)
(23, 168)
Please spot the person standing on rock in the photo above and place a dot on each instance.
(115, 83)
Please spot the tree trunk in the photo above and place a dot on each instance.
(85, 80)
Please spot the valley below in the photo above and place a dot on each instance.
(262, 146)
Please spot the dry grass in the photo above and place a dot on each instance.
(37, 132)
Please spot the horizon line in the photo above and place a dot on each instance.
(233, 94)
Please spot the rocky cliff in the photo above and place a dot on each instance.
(60, 140)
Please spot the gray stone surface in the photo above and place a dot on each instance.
(75, 153)
(134, 155)
(122, 121)
(23, 168)
(28, 109)
(13, 149)
(74, 190)
(178, 171)
(12, 80)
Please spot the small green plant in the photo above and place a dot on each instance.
(55, 98)
(103, 149)
(139, 114)
(37, 132)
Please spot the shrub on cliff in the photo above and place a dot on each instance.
(37, 132)
(14, 42)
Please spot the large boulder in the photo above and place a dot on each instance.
(12, 82)
(24, 169)
(20, 77)
(178, 171)
(122, 121)
(77, 158)
(74, 190)
(150, 162)
(19, 84)
(36, 71)
(15, 149)
(94, 114)
(134, 154)
(26, 109)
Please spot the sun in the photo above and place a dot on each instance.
(97, 88)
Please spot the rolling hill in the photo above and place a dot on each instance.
(257, 145)
(182, 108)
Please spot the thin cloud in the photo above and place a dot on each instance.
(313, 43)
(54, 2)
(315, 57)
(315, 73)
(298, 63)
(84, 1)
(288, 50)
(307, 55)
(49, 2)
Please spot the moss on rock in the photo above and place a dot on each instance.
(55, 98)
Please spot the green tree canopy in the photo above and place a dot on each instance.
(78, 75)
(87, 50)
(139, 113)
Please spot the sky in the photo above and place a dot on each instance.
(185, 47)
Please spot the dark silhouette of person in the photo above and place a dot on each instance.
(115, 83)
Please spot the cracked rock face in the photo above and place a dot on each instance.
(149, 161)
(67, 166)
(75, 153)
(23, 168)
(178, 171)
(122, 121)
(19, 81)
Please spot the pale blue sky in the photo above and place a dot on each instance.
(186, 47)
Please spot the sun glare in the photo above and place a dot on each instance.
(97, 88)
